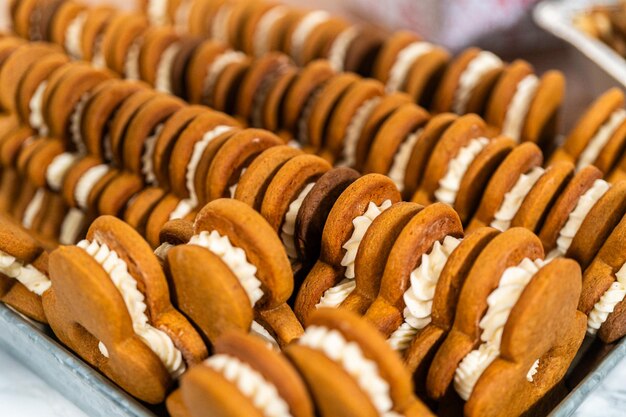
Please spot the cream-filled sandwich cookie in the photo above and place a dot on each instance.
(243, 377)
(249, 256)
(516, 329)
(23, 271)
(524, 106)
(350, 370)
(508, 186)
(583, 217)
(599, 136)
(110, 304)
(468, 81)
(331, 280)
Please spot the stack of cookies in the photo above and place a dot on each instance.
(226, 180)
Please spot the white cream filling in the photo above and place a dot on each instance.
(147, 165)
(354, 130)
(33, 208)
(261, 332)
(55, 173)
(404, 61)
(163, 249)
(29, 276)
(74, 36)
(288, 228)
(157, 340)
(418, 298)
(216, 67)
(351, 358)
(219, 28)
(157, 12)
(236, 260)
(335, 295)
(514, 198)
(261, 42)
(261, 392)
(577, 216)
(233, 188)
(131, 63)
(163, 81)
(519, 107)
(450, 184)
(86, 183)
(478, 67)
(397, 172)
(98, 60)
(71, 227)
(340, 46)
(500, 303)
(305, 27)
(35, 105)
(181, 18)
(76, 121)
(185, 205)
(303, 121)
(607, 303)
(601, 138)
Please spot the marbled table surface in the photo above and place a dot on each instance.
(23, 394)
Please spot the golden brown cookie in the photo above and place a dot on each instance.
(336, 387)
(603, 289)
(599, 136)
(352, 214)
(508, 186)
(217, 386)
(24, 271)
(91, 311)
(468, 82)
(248, 255)
(525, 351)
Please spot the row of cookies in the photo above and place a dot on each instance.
(515, 186)
(475, 81)
(271, 92)
(145, 345)
(420, 240)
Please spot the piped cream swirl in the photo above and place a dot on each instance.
(514, 198)
(404, 61)
(601, 138)
(29, 276)
(157, 340)
(577, 217)
(499, 305)
(519, 107)
(351, 358)
(236, 260)
(418, 298)
(288, 228)
(262, 393)
(607, 303)
(450, 184)
(334, 296)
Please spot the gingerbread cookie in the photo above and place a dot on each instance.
(524, 106)
(583, 217)
(599, 136)
(468, 82)
(603, 289)
(256, 275)
(110, 303)
(23, 271)
(220, 385)
(332, 278)
(420, 249)
(335, 374)
(520, 348)
(508, 186)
